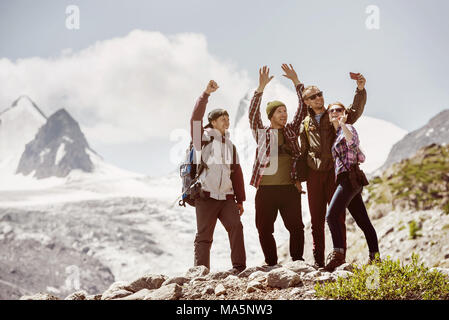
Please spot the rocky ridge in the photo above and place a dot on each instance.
(291, 281)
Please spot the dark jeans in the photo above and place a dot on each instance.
(207, 213)
(346, 196)
(320, 189)
(287, 200)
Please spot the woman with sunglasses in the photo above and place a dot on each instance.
(346, 154)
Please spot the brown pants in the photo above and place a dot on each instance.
(321, 186)
(207, 212)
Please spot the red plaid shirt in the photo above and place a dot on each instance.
(291, 134)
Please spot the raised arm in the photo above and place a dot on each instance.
(255, 120)
(301, 112)
(196, 121)
(355, 110)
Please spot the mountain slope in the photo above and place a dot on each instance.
(435, 131)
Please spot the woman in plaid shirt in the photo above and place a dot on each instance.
(346, 153)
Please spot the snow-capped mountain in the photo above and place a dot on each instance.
(18, 126)
(58, 148)
(435, 131)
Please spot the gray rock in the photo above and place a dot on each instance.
(248, 271)
(148, 281)
(258, 276)
(342, 274)
(283, 278)
(94, 297)
(198, 271)
(208, 290)
(220, 290)
(178, 280)
(232, 281)
(220, 275)
(139, 295)
(324, 278)
(253, 286)
(112, 295)
(40, 296)
(116, 290)
(169, 292)
(299, 266)
(79, 295)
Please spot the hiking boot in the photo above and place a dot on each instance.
(318, 265)
(335, 259)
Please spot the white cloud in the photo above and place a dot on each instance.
(127, 89)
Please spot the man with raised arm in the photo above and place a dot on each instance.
(274, 171)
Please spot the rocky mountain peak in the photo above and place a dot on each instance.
(58, 148)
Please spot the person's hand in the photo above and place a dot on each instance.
(290, 73)
(361, 82)
(264, 78)
(342, 119)
(299, 187)
(241, 209)
(212, 86)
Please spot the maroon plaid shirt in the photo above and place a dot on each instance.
(262, 135)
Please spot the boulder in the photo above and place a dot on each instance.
(299, 266)
(258, 276)
(253, 286)
(116, 290)
(79, 295)
(148, 281)
(139, 295)
(169, 292)
(342, 274)
(208, 290)
(220, 290)
(198, 271)
(283, 278)
(177, 280)
(324, 278)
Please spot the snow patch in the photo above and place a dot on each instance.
(60, 153)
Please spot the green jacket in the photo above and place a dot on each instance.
(316, 142)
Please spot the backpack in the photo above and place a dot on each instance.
(190, 172)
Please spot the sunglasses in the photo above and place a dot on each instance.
(335, 110)
(313, 96)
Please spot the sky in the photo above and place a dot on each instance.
(131, 73)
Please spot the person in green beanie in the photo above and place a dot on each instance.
(274, 171)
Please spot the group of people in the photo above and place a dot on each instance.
(319, 146)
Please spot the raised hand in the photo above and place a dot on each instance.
(361, 82)
(264, 78)
(290, 73)
(212, 86)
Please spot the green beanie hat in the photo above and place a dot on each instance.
(272, 106)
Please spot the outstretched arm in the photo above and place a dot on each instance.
(196, 121)
(355, 110)
(301, 112)
(255, 121)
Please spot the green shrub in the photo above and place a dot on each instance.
(388, 280)
(414, 228)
